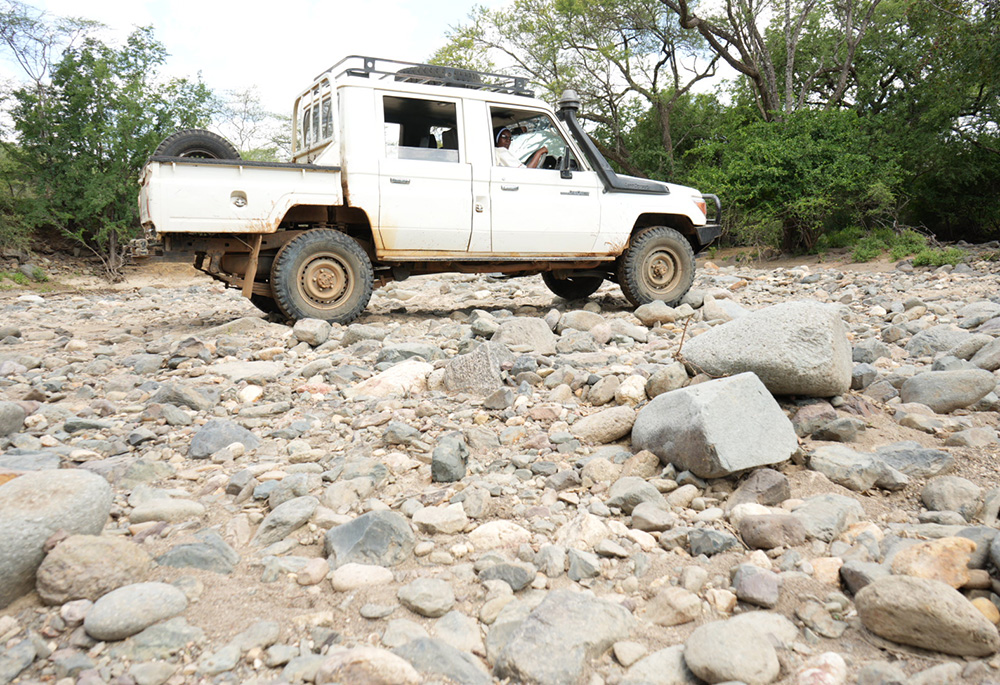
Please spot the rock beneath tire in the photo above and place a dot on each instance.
(925, 613)
(946, 391)
(722, 651)
(88, 567)
(36, 505)
(795, 348)
(716, 428)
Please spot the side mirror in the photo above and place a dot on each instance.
(564, 171)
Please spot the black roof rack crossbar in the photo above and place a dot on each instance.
(431, 74)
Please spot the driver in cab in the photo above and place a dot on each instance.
(506, 158)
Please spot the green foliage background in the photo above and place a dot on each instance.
(847, 124)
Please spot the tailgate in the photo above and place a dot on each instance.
(186, 195)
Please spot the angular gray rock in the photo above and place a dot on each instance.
(182, 395)
(722, 651)
(665, 667)
(912, 459)
(716, 428)
(478, 372)
(449, 458)
(382, 538)
(926, 613)
(210, 553)
(827, 516)
(219, 433)
(629, 492)
(435, 658)
(88, 567)
(130, 609)
(795, 348)
(554, 643)
(854, 470)
(946, 391)
(285, 519)
(527, 335)
(33, 507)
(768, 531)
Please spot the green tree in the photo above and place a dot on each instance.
(623, 57)
(83, 139)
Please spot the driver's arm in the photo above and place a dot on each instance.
(537, 157)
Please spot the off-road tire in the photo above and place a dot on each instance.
(657, 265)
(572, 288)
(265, 304)
(322, 274)
(197, 144)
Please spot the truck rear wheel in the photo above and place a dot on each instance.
(572, 288)
(322, 274)
(197, 144)
(658, 265)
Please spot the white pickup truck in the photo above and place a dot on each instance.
(403, 169)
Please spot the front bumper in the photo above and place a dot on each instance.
(713, 229)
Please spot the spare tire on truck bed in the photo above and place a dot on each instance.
(198, 144)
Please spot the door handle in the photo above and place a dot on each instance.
(508, 187)
(401, 181)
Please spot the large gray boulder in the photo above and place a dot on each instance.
(795, 348)
(946, 391)
(926, 613)
(36, 505)
(716, 428)
(553, 644)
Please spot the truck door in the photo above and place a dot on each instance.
(425, 180)
(535, 210)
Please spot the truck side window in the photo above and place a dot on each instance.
(530, 132)
(420, 129)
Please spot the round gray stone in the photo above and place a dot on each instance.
(36, 505)
(133, 608)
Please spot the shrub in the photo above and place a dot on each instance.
(868, 248)
(940, 257)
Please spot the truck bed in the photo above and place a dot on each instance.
(188, 195)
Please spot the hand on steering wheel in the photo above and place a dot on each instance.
(536, 157)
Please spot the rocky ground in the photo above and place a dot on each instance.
(192, 493)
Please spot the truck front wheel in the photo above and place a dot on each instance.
(322, 274)
(658, 265)
(573, 287)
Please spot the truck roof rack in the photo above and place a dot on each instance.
(431, 74)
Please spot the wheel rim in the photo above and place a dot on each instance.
(661, 270)
(199, 153)
(325, 281)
